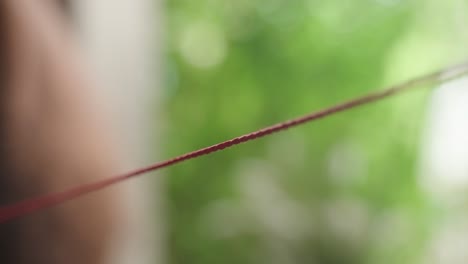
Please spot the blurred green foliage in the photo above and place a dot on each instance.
(340, 190)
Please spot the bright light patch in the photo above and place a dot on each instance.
(445, 161)
(202, 45)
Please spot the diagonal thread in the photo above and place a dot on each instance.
(49, 200)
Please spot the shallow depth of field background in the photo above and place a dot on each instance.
(385, 183)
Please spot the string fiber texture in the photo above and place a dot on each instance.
(35, 204)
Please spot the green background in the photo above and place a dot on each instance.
(341, 190)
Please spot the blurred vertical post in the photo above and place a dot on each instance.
(53, 136)
(122, 38)
(445, 170)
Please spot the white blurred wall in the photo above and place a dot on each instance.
(122, 40)
(444, 171)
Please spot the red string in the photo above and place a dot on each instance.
(49, 200)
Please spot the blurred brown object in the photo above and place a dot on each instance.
(52, 136)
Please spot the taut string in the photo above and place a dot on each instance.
(35, 204)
